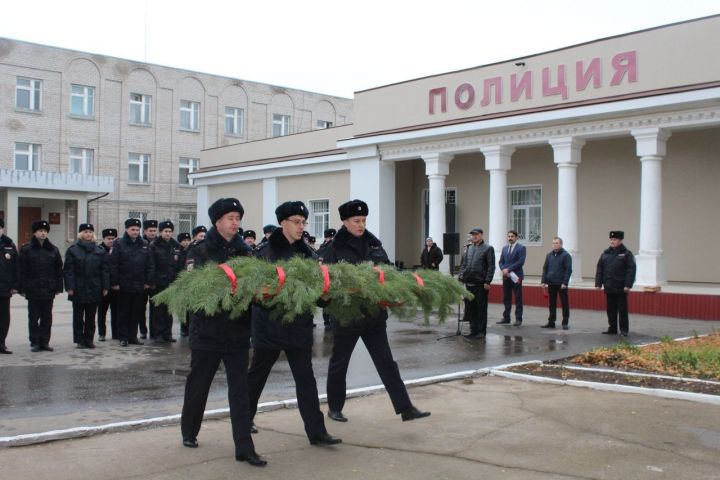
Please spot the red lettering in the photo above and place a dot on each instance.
(469, 92)
(517, 89)
(489, 84)
(560, 88)
(625, 62)
(593, 71)
(442, 92)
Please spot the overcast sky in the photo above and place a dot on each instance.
(331, 46)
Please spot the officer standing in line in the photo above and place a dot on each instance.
(198, 233)
(616, 274)
(166, 256)
(184, 240)
(271, 336)
(131, 276)
(267, 231)
(249, 239)
(220, 338)
(8, 283)
(109, 301)
(354, 244)
(150, 232)
(41, 278)
(87, 281)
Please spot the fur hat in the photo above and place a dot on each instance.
(249, 234)
(288, 209)
(133, 222)
(109, 232)
(329, 233)
(619, 234)
(40, 225)
(166, 224)
(86, 226)
(353, 208)
(223, 206)
(149, 224)
(269, 228)
(183, 236)
(198, 229)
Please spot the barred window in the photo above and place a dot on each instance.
(526, 213)
(319, 217)
(186, 222)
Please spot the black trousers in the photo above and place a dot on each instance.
(300, 361)
(4, 319)
(553, 292)
(131, 306)
(617, 311)
(511, 288)
(203, 366)
(84, 322)
(40, 321)
(161, 320)
(109, 301)
(376, 342)
(476, 309)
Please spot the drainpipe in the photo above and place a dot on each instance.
(87, 212)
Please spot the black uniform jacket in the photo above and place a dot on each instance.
(218, 333)
(41, 270)
(167, 257)
(131, 264)
(615, 269)
(87, 272)
(271, 333)
(345, 247)
(8, 266)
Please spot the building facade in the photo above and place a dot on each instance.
(86, 137)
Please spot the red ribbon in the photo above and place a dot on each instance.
(281, 278)
(381, 275)
(326, 278)
(230, 275)
(418, 279)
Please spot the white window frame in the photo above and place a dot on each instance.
(186, 222)
(34, 93)
(323, 124)
(142, 216)
(234, 116)
(524, 225)
(280, 125)
(29, 150)
(189, 164)
(142, 104)
(142, 162)
(319, 216)
(190, 115)
(86, 95)
(82, 157)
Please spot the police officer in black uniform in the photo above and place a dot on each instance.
(87, 280)
(150, 233)
(166, 255)
(249, 238)
(267, 231)
(198, 233)
(109, 301)
(41, 278)
(354, 244)
(616, 274)
(8, 283)
(328, 235)
(131, 276)
(271, 336)
(220, 338)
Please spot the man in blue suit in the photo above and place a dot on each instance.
(511, 263)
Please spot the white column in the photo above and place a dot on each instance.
(650, 144)
(270, 201)
(201, 193)
(567, 157)
(437, 168)
(497, 162)
(12, 212)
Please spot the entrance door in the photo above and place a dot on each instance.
(28, 215)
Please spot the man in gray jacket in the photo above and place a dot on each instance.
(555, 277)
(476, 272)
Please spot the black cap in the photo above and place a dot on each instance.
(306, 234)
(288, 209)
(353, 208)
(166, 224)
(133, 222)
(249, 234)
(40, 225)
(477, 230)
(619, 234)
(311, 239)
(109, 232)
(86, 226)
(183, 236)
(329, 232)
(198, 229)
(269, 228)
(223, 206)
(149, 224)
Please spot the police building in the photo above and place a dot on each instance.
(619, 133)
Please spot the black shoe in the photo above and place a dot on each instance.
(324, 439)
(473, 336)
(135, 341)
(81, 345)
(123, 343)
(90, 345)
(101, 338)
(4, 350)
(47, 348)
(159, 341)
(252, 458)
(337, 416)
(610, 332)
(517, 323)
(548, 325)
(190, 442)
(170, 340)
(35, 348)
(253, 428)
(412, 413)
(566, 327)
(623, 334)
(143, 336)
(503, 322)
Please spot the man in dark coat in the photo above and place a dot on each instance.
(616, 274)
(8, 283)
(249, 238)
(477, 267)
(87, 281)
(354, 244)
(219, 338)
(555, 278)
(271, 336)
(512, 260)
(431, 255)
(166, 256)
(150, 233)
(267, 231)
(41, 278)
(109, 301)
(131, 275)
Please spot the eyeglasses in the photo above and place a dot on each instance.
(297, 222)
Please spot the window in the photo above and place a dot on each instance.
(81, 161)
(526, 214)
(27, 156)
(138, 168)
(140, 108)
(233, 121)
(189, 115)
(187, 166)
(81, 101)
(186, 222)
(321, 124)
(142, 216)
(281, 125)
(319, 217)
(27, 94)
